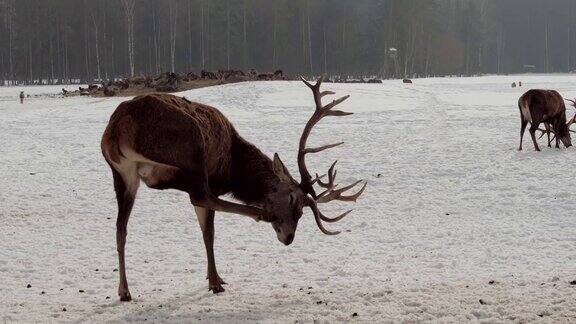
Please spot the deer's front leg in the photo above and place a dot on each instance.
(206, 220)
(533, 129)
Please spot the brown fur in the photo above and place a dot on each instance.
(146, 122)
(543, 106)
(171, 143)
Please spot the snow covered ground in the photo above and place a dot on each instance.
(460, 226)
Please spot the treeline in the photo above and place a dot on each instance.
(102, 39)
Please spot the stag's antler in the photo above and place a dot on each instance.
(306, 183)
(573, 120)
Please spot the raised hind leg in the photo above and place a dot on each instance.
(126, 186)
(206, 220)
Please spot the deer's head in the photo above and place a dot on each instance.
(563, 130)
(563, 133)
(283, 207)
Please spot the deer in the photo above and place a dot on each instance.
(169, 142)
(548, 129)
(543, 106)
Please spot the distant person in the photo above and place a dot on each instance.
(21, 97)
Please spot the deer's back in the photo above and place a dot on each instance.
(157, 122)
(541, 104)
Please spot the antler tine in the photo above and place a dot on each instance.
(319, 217)
(572, 101)
(334, 103)
(338, 113)
(331, 178)
(335, 219)
(322, 148)
(571, 121)
(318, 179)
(330, 195)
(326, 93)
(310, 85)
(315, 87)
(542, 132)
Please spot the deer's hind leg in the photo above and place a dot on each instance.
(523, 124)
(126, 182)
(206, 220)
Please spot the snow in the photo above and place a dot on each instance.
(460, 226)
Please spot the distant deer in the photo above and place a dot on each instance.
(169, 142)
(543, 106)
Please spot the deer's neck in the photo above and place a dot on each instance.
(252, 177)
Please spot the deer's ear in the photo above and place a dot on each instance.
(280, 170)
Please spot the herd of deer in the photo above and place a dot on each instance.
(168, 142)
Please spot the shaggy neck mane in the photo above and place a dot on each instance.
(252, 176)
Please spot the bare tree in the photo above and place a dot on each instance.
(228, 35)
(309, 39)
(432, 37)
(202, 49)
(245, 47)
(275, 33)
(86, 40)
(129, 6)
(546, 49)
(173, 5)
(10, 22)
(190, 60)
(156, 47)
(96, 25)
(325, 48)
(51, 46)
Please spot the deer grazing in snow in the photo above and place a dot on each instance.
(544, 106)
(548, 129)
(169, 142)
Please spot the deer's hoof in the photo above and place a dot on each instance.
(125, 297)
(216, 288)
(218, 279)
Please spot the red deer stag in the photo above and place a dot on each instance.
(548, 129)
(169, 142)
(543, 106)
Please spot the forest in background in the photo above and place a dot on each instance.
(103, 39)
